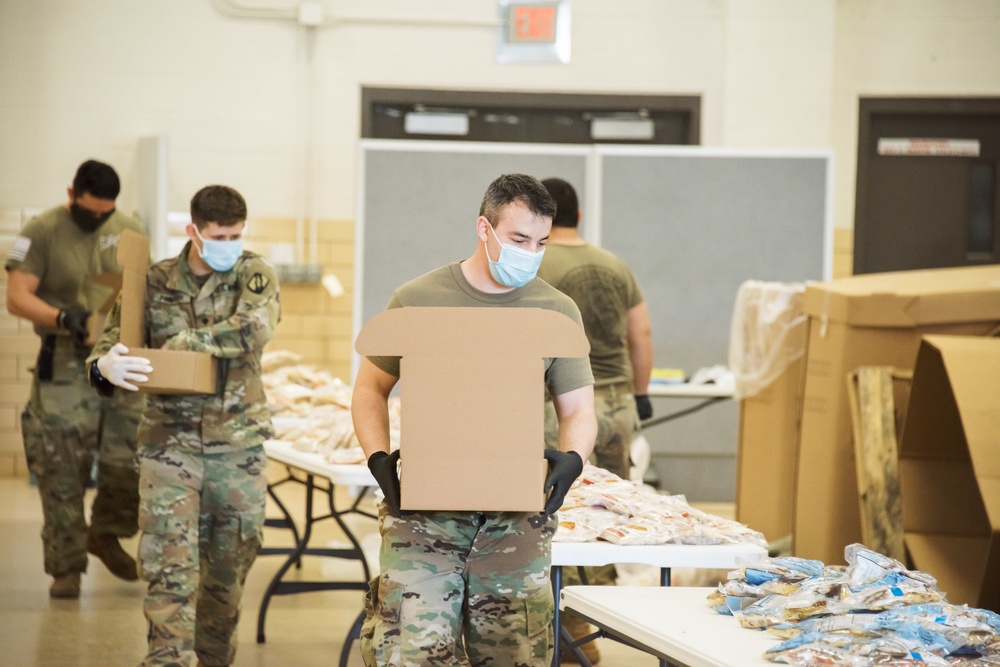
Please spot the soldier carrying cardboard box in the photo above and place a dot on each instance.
(50, 272)
(462, 582)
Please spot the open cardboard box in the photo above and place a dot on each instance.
(870, 320)
(174, 371)
(950, 468)
(472, 401)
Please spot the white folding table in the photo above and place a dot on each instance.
(304, 468)
(710, 393)
(664, 556)
(675, 624)
(309, 466)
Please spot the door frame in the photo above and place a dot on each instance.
(869, 107)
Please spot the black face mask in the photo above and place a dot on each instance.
(86, 219)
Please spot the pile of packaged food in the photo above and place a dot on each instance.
(873, 611)
(311, 409)
(602, 506)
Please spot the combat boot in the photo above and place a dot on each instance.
(66, 586)
(107, 548)
(579, 628)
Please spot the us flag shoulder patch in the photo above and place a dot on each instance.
(19, 250)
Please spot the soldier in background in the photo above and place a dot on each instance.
(202, 468)
(616, 320)
(65, 425)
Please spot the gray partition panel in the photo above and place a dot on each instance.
(693, 228)
(693, 224)
(420, 208)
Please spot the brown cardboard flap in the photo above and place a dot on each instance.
(908, 298)
(471, 332)
(133, 255)
(956, 562)
(949, 473)
(472, 401)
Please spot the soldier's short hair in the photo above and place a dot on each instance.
(220, 204)
(97, 178)
(521, 188)
(567, 206)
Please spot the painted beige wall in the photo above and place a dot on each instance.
(273, 108)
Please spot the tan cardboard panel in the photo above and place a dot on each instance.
(956, 562)
(941, 496)
(908, 298)
(948, 455)
(826, 516)
(472, 401)
(471, 332)
(178, 372)
(766, 456)
(973, 369)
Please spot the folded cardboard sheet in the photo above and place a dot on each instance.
(950, 467)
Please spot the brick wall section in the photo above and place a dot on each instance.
(313, 324)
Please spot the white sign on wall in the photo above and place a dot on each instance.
(912, 146)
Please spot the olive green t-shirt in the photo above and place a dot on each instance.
(447, 287)
(605, 290)
(63, 257)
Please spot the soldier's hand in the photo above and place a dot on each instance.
(383, 467)
(564, 468)
(643, 407)
(74, 320)
(122, 370)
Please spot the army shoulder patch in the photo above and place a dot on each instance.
(257, 283)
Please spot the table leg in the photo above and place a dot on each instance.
(557, 613)
(293, 558)
(352, 634)
(664, 581)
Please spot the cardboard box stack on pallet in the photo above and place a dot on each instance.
(870, 320)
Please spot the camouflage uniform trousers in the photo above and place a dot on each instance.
(202, 520)
(65, 425)
(461, 588)
(617, 425)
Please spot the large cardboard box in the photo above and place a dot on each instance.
(871, 320)
(950, 468)
(472, 401)
(174, 371)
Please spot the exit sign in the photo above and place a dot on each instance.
(533, 31)
(532, 23)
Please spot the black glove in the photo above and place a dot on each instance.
(564, 468)
(383, 467)
(74, 320)
(644, 407)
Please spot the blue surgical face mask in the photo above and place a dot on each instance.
(220, 255)
(514, 267)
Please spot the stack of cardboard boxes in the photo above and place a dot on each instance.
(871, 320)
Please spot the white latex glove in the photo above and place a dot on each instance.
(122, 370)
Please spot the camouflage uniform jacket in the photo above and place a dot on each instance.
(231, 316)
